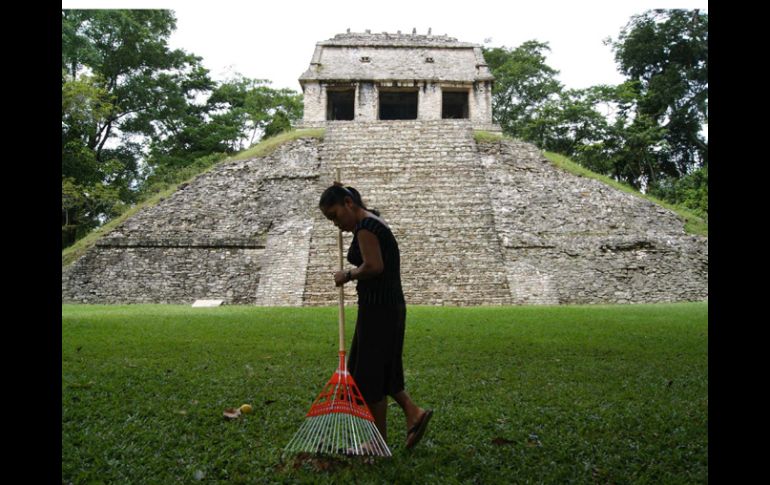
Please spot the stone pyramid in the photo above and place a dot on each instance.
(477, 224)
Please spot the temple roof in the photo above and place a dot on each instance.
(384, 56)
(395, 40)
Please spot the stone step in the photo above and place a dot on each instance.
(437, 209)
(446, 144)
(282, 278)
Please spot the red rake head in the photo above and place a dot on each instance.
(341, 395)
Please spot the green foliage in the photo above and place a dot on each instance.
(257, 108)
(644, 132)
(524, 83)
(659, 111)
(664, 53)
(482, 136)
(120, 84)
(86, 104)
(570, 121)
(279, 124)
(82, 205)
(570, 394)
(137, 116)
(691, 191)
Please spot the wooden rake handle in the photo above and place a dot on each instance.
(342, 287)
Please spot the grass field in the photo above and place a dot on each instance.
(571, 394)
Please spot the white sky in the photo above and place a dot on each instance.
(275, 39)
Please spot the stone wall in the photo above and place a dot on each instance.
(487, 224)
(498, 224)
(570, 239)
(372, 61)
(398, 39)
(314, 100)
(224, 236)
(429, 101)
(405, 63)
(367, 103)
(480, 105)
(135, 274)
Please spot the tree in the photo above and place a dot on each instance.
(570, 121)
(665, 54)
(650, 136)
(630, 145)
(524, 84)
(121, 88)
(255, 107)
(690, 191)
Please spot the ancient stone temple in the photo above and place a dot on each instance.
(492, 223)
(368, 77)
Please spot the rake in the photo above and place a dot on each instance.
(339, 421)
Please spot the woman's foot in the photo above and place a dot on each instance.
(414, 417)
(418, 428)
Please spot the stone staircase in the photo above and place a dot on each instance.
(426, 179)
(282, 275)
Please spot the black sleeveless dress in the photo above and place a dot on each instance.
(375, 359)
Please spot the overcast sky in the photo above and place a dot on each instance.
(275, 39)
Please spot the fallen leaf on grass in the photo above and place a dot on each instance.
(82, 385)
(501, 441)
(232, 413)
(182, 412)
(600, 475)
(534, 440)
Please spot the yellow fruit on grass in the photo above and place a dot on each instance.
(246, 408)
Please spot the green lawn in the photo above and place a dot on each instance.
(571, 394)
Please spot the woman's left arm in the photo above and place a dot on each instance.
(372, 256)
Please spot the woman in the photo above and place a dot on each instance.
(375, 355)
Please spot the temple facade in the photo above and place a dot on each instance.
(370, 77)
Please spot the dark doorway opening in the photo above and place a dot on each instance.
(398, 105)
(339, 104)
(454, 104)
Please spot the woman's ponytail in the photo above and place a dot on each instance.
(359, 202)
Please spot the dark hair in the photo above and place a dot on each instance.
(336, 195)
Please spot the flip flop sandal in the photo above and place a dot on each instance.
(418, 429)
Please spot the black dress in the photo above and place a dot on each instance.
(375, 354)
